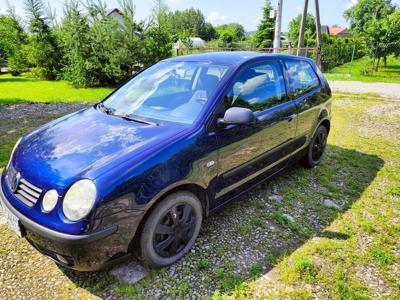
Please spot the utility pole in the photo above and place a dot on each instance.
(319, 37)
(278, 25)
(302, 27)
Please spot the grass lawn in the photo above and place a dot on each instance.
(252, 249)
(389, 74)
(26, 88)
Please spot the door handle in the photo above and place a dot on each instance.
(289, 117)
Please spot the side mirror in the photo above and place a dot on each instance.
(237, 115)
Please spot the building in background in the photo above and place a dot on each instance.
(335, 30)
(117, 15)
(192, 42)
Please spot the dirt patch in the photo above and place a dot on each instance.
(390, 90)
(37, 109)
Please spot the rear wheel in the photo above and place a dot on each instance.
(171, 229)
(316, 149)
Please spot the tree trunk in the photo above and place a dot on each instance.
(377, 64)
(385, 60)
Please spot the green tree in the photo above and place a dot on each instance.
(190, 23)
(265, 32)
(132, 38)
(384, 36)
(207, 32)
(12, 41)
(309, 33)
(159, 16)
(365, 11)
(43, 51)
(98, 50)
(81, 66)
(377, 23)
(230, 33)
(157, 38)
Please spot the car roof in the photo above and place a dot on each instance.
(232, 57)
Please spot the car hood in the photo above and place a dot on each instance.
(84, 144)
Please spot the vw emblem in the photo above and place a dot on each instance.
(14, 182)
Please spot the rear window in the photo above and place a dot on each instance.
(301, 77)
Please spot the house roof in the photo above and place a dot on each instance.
(338, 30)
(109, 12)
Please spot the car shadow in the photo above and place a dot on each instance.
(15, 79)
(257, 229)
(4, 101)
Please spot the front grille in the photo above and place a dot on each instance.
(25, 191)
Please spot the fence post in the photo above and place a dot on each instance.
(352, 58)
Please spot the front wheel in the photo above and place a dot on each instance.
(316, 149)
(171, 229)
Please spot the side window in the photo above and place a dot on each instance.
(301, 77)
(257, 87)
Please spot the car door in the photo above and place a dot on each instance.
(246, 151)
(303, 87)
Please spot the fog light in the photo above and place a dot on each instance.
(50, 200)
(62, 259)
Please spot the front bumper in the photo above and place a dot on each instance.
(88, 252)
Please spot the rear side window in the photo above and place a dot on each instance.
(257, 87)
(301, 77)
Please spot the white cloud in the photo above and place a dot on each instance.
(350, 3)
(250, 85)
(172, 2)
(215, 16)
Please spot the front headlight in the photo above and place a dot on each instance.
(79, 200)
(13, 150)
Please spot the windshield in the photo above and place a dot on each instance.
(167, 91)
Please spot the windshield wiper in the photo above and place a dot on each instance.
(110, 111)
(105, 109)
(135, 119)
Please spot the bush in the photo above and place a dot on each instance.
(338, 51)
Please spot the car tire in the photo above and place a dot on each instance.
(171, 229)
(316, 149)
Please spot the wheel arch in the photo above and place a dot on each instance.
(327, 124)
(196, 189)
(199, 191)
(323, 119)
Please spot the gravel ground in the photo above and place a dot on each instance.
(38, 109)
(235, 246)
(389, 90)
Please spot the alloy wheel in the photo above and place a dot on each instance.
(319, 145)
(174, 230)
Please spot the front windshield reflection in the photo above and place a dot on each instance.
(168, 91)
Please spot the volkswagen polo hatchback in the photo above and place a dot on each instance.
(138, 172)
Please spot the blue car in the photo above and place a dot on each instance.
(137, 173)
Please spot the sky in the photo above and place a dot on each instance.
(246, 12)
